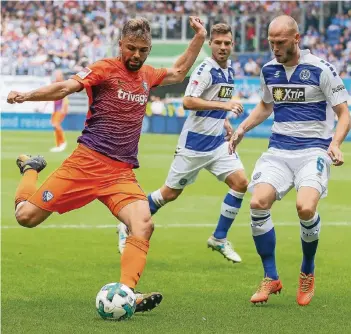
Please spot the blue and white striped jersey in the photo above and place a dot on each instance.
(303, 97)
(203, 130)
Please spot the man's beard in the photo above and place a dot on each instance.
(288, 56)
(133, 67)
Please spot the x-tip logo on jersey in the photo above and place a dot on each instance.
(226, 92)
(276, 74)
(288, 94)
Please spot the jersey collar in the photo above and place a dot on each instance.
(215, 64)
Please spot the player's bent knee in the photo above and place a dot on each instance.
(241, 185)
(26, 218)
(305, 211)
(260, 203)
(143, 228)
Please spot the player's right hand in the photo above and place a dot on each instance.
(16, 97)
(197, 25)
(234, 106)
(236, 139)
(335, 154)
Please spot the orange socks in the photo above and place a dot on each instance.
(27, 186)
(59, 136)
(133, 260)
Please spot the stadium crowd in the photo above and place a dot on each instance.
(39, 36)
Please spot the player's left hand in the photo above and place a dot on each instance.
(229, 130)
(197, 25)
(335, 154)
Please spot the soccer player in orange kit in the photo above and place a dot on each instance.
(101, 167)
(59, 114)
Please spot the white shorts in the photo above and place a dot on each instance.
(187, 165)
(287, 169)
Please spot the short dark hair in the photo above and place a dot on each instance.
(220, 28)
(139, 27)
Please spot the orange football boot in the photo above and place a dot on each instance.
(305, 292)
(267, 287)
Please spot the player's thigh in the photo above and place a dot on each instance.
(314, 173)
(71, 186)
(306, 202)
(184, 170)
(272, 169)
(228, 167)
(121, 194)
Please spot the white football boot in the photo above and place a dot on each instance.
(123, 233)
(224, 247)
(60, 148)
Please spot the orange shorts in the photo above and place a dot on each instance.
(85, 176)
(57, 117)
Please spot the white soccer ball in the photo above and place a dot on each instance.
(115, 301)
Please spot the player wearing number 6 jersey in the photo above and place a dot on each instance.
(303, 91)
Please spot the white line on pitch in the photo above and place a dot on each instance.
(82, 226)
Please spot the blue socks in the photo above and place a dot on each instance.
(264, 237)
(156, 201)
(229, 209)
(310, 230)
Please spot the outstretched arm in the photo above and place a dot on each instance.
(53, 92)
(199, 104)
(260, 113)
(182, 66)
(342, 129)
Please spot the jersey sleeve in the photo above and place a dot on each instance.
(265, 92)
(156, 76)
(333, 88)
(92, 75)
(198, 82)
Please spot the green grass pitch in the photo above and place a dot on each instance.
(50, 276)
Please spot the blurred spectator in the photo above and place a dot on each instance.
(251, 68)
(39, 36)
(157, 105)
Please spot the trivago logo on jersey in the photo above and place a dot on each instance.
(288, 94)
(139, 98)
(226, 92)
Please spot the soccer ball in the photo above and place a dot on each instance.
(115, 301)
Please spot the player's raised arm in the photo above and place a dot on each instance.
(259, 114)
(199, 104)
(182, 66)
(53, 92)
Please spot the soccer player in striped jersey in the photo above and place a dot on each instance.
(202, 144)
(303, 91)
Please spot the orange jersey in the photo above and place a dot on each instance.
(117, 104)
